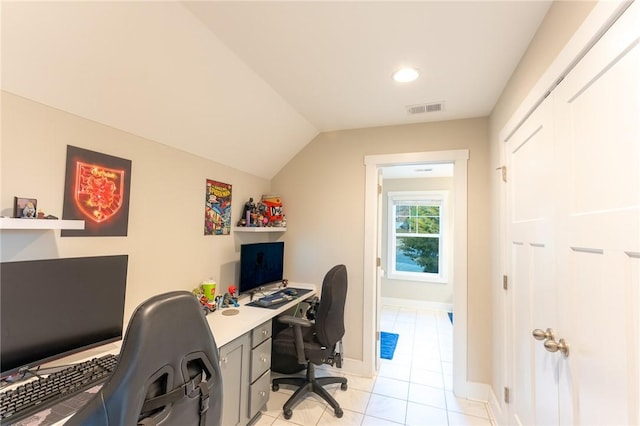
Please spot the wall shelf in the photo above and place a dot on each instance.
(259, 229)
(17, 223)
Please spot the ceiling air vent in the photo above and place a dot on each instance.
(424, 108)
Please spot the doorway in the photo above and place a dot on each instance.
(416, 231)
(372, 248)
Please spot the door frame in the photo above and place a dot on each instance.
(371, 304)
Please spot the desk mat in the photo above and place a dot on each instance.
(301, 292)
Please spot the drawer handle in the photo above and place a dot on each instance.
(264, 332)
(263, 394)
(264, 359)
(224, 360)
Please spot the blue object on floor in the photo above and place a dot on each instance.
(388, 343)
(450, 316)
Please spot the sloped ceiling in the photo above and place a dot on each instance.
(249, 84)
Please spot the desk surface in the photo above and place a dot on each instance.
(227, 328)
(224, 329)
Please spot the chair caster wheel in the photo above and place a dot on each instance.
(343, 386)
(288, 414)
(339, 412)
(275, 387)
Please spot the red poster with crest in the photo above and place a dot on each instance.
(96, 191)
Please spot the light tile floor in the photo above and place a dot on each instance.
(414, 388)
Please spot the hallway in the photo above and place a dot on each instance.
(414, 388)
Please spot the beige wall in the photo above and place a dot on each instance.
(560, 23)
(165, 243)
(323, 194)
(440, 294)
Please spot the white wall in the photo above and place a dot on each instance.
(165, 243)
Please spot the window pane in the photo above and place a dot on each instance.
(402, 224)
(428, 225)
(420, 252)
(406, 264)
(402, 210)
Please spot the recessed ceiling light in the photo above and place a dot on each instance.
(405, 75)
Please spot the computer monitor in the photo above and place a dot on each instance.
(261, 264)
(56, 307)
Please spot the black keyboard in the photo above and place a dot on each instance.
(31, 397)
(273, 299)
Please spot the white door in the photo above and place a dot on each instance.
(532, 286)
(379, 270)
(598, 140)
(574, 231)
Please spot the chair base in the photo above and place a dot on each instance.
(309, 384)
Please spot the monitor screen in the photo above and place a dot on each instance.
(261, 264)
(55, 307)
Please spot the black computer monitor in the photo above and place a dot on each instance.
(56, 307)
(261, 264)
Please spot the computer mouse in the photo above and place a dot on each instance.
(291, 291)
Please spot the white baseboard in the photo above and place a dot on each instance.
(424, 304)
(477, 391)
(495, 409)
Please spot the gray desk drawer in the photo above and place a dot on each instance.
(259, 394)
(260, 360)
(260, 334)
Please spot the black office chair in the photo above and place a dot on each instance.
(315, 343)
(167, 373)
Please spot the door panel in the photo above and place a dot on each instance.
(598, 141)
(530, 159)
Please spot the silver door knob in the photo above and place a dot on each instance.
(553, 346)
(539, 334)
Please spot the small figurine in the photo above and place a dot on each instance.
(226, 300)
(207, 305)
(232, 290)
(249, 208)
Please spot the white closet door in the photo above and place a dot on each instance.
(574, 233)
(532, 285)
(597, 119)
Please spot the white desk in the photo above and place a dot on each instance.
(233, 336)
(244, 342)
(227, 328)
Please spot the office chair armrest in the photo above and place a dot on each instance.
(291, 320)
(297, 324)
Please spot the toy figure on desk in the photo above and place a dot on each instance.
(232, 290)
(227, 301)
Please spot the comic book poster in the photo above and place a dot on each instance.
(217, 208)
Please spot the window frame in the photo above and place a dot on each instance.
(439, 198)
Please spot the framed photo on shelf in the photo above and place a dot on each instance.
(25, 208)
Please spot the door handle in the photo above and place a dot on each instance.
(539, 334)
(553, 346)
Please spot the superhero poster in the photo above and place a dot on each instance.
(96, 191)
(217, 208)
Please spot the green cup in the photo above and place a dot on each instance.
(209, 290)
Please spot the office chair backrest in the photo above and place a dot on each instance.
(168, 347)
(330, 314)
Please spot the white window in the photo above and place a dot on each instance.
(417, 235)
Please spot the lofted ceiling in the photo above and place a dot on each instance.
(250, 83)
